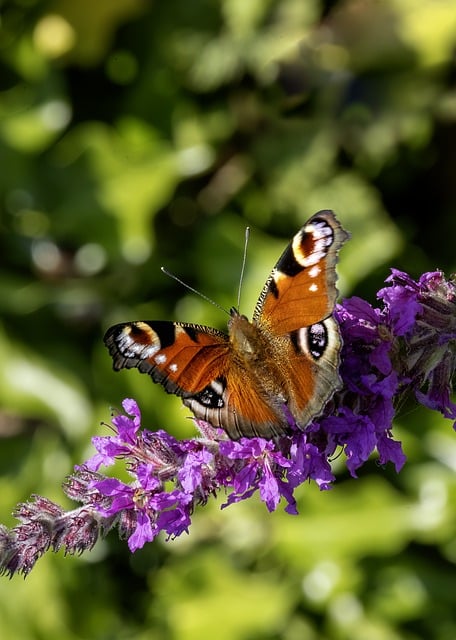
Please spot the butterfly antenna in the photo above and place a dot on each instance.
(244, 258)
(198, 293)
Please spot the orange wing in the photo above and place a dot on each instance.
(311, 368)
(237, 405)
(184, 358)
(301, 289)
(295, 312)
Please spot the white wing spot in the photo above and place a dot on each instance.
(313, 287)
(173, 367)
(314, 271)
(160, 359)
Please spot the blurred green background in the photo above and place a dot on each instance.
(136, 134)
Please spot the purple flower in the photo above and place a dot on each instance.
(262, 469)
(190, 474)
(109, 448)
(390, 450)
(308, 462)
(144, 507)
(133, 498)
(357, 435)
(401, 302)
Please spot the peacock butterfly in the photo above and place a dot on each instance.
(266, 375)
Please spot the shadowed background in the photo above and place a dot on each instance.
(136, 134)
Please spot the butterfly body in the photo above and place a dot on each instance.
(268, 374)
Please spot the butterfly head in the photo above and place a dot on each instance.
(244, 335)
(234, 313)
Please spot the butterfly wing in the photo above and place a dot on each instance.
(311, 368)
(234, 403)
(195, 363)
(184, 358)
(295, 310)
(301, 289)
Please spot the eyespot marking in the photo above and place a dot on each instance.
(212, 395)
(312, 340)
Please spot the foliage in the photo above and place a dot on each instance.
(135, 134)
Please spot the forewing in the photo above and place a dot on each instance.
(301, 289)
(184, 358)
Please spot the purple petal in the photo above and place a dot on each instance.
(191, 472)
(143, 532)
(146, 479)
(269, 490)
(175, 521)
(391, 451)
(308, 463)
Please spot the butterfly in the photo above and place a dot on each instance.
(264, 376)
